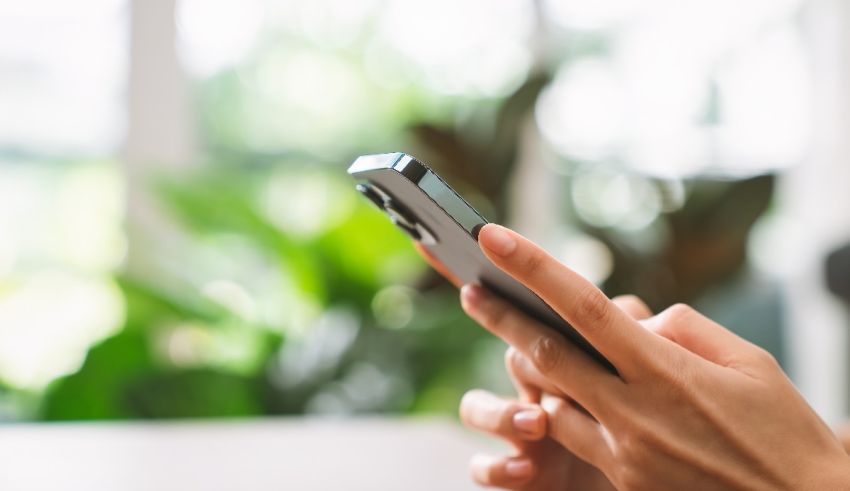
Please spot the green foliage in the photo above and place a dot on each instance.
(97, 390)
(424, 363)
(325, 306)
(121, 380)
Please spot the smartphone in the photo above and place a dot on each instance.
(425, 207)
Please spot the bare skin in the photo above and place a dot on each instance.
(540, 462)
(694, 406)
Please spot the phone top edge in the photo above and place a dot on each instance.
(400, 162)
(382, 171)
(451, 202)
(378, 161)
(425, 179)
(411, 168)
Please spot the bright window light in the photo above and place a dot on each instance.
(473, 47)
(581, 113)
(62, 93)
(216, 34)
(685, 88)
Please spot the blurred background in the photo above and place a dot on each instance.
(179, 238)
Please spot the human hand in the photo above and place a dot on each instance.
(539, 462)
(694, 406)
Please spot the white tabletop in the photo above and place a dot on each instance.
(256, 455)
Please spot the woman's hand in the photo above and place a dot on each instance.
(694, 406)
(540, 463)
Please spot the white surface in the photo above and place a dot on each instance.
(815, 200)
(281, 454)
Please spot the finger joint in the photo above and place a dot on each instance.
(593, 308)
(547, 354)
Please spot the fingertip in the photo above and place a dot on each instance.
(488, 470)
(463, 407)
(470, 402)
(497, 239)
(483, 469)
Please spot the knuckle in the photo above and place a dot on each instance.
(593, 307)
(557, 423)
(632, 306)
(674, 320)
(634, 454)
(630, 478)
(495, 314)
(765, 358)
(547, 354)
(679, 312)
(628, 300)
(513, 361)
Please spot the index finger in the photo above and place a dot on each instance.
(610, 330)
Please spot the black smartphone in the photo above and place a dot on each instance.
(426, 208)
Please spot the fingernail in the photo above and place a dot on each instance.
(529, 421)
(518, 468)
(497, 239)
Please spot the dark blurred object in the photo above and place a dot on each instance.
(705, 244)
(479, 163)
(354, 358)
(838, 273)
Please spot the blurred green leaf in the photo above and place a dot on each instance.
(98, 389)
(147, 305)
(223, 203)
(195, 393)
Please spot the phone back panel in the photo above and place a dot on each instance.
(448, 227)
